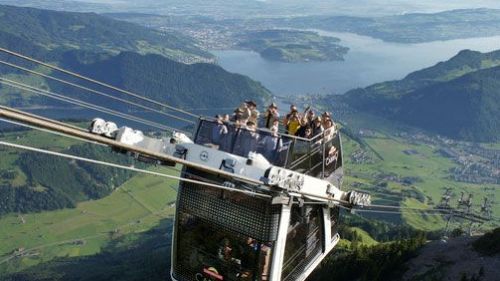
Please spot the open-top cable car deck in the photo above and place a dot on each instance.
(277, 218)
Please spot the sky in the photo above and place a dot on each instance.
(272, 7)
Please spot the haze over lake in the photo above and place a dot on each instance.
(369, 61)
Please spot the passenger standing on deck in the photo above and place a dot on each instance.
(243, 113)
(270, 116)
(293, 123)
(219, 130)
(247, 140)
(237, 116)
(330, 129)
(293, 109)
(271, 145)
(317, 126)
(325, 116)
(275, 126)
(308, 132)
(254, 113)
(310, 116)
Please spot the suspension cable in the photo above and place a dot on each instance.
(94, 91)
(88, 160)
(41, 118)
(77, 102)
(97, 143)
(49, 131)
(96, 82)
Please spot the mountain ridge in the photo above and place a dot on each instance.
(427, 97)
(69, 30)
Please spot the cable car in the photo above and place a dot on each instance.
(276, 217)
(224, 235)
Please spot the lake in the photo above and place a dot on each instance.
(369, 61)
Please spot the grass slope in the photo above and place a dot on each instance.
(385, 179)
(137, 206)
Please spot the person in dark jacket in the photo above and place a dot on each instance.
(246, 140)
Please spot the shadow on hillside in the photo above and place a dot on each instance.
(130, 257)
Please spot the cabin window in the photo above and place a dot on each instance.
(304, 240)
(206, 251)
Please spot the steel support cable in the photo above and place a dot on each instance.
(434, 211)
(83, 159)
(41, 118)
(77, 102)
(95, 91)
(447, 212)
(97, 143)
(93, 142)
(96, 82)
(370, 208)
(83, 104)
(48, 131)
(371, 211)
(328, 199)
(13, 115)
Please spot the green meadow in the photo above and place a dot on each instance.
(383, 178)
(135, 207)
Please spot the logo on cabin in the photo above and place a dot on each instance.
(204, 156)
(332, 156)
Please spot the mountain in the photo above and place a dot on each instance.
(89, 31)
(466, 108)
(197, 85)
(457, 98)
(411, 27)
(123, 54)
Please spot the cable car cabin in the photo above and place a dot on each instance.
(227, 235)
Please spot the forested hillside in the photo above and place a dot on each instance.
(457, 98)
(198, 85)
(51, 30)
(54, 183)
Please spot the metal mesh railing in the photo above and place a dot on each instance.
(319, 156)
(249, 216)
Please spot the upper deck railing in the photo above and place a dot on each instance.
(319, 156)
